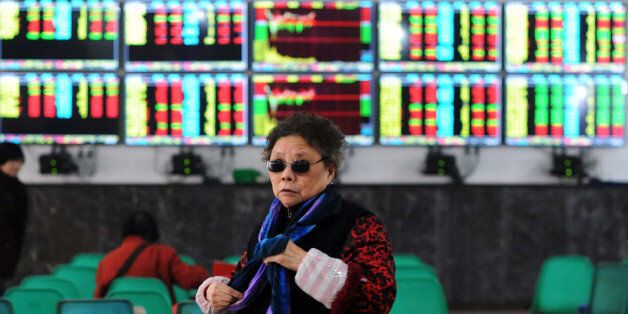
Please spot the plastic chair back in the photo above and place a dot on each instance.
(182, 295)
(87, 259)
(188, 307)
(33, 300)
(5, 307)
(419, 296)
(610, 290)
(426, 271)
(84, 278)
(153, 302)
(63, 286)
(232, 259)
(140, 284)
(100, 306)
(187, 259)
(406, 260)
(564, 284)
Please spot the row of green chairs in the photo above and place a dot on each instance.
(91, 260)
(571, 284)
(41, 293)
(418, 289)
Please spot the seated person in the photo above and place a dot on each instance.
(154, 260)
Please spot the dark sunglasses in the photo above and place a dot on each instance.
(299, 166)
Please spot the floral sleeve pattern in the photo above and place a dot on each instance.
(370, 286)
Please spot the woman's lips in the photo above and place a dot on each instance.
(288, 191)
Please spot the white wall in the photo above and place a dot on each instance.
(363, 165)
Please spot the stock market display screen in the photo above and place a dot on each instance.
(59, 35)
(344, 99)
(312, 36)
(588, 36)
(442, 109)
(59, 108)
(569, 110)
(185, 35)
(426, 36)
(185, 109)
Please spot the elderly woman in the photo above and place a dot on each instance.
(314, 252)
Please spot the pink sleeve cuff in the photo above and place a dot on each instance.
(200, 293)
(321, 276)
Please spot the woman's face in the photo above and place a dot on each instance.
(292, 188)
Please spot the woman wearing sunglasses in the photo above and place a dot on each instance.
(314, 252)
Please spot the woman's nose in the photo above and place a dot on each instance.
(287, 174)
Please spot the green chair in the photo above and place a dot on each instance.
(425, 271)
(564, 285)
(610, 290)
(33, 300)
(63, 286)
(153, 302)
(187, 259)
(182, 295)
(188, 307)
(5, 307)
(87, 259)
(99, 306)
(141, 284)
(419, 296)
(84, 278)
(406, 260)
(232, 259)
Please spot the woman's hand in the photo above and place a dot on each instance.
(290, 258)
(220, 295)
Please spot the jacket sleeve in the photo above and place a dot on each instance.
(370, 285)
(186, 276)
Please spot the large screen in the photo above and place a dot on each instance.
(59, 35)
(439, 36)
(185, 109)
(344, 99)
(61, 108)
(312, 36)
(588, 36)
(570, 110)
(443, 109)
(185, 35)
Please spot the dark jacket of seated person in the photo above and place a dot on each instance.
(156, 260)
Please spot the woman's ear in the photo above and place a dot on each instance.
(331, 173)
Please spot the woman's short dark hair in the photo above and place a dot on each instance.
(10, 151)
(320, 133)
(143, 224)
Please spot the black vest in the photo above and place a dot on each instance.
(330, 237)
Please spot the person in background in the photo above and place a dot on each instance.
(152, 260)
(315, 252)
(13, 211)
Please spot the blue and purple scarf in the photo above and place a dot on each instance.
(254, 277)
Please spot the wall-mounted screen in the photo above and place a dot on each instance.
(572, 36)
(59, 35)
(426, 36)
(570, 110)
(443, 109)
(185, 109)
(324, 36)
(185, 35)
(344, 99)
(61, 108)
